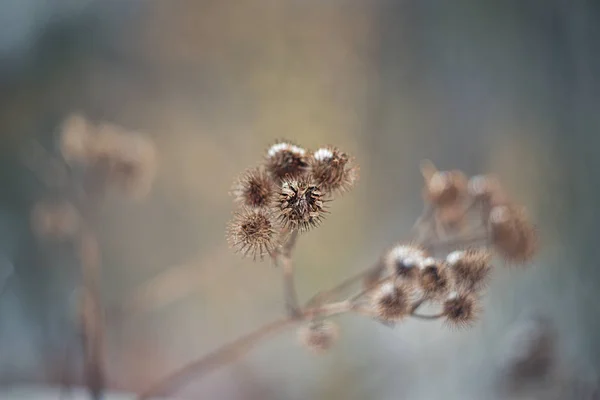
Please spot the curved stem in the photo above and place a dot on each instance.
(221, 356)
(239, 347)
(426, 317)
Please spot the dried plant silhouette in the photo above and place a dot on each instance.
(447, 263)
(97, 159)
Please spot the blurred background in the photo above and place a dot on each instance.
(510, 87)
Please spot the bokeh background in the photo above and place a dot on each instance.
(506, 86)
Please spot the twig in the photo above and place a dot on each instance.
(284, 260)
(236, 349)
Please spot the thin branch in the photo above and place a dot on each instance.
(236, 349)
(284, 260)
(426, 317)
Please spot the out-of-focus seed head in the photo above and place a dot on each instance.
(461, 309)
(471, 268)
(254, 189)
(403, 260)
(434, 279)
(75, 139)
(319, 336)
(443, 188)
(300, 204)
(252, 232)
(124, 160)
(392, 302)
(485, 189)
(286, 160)
(55, 219)
(333, 170)
(512, 234)
(452, 217)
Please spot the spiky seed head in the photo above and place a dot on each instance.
(333, 170)
(252, 232)
(254, 188)
(300, 204)
(512, 234)
(460, 309)
(319, 336)
(445, 188)
(55, 219)
(286, 160)
(402, 261)
(391, 301)
(434, 278)
(471, 268)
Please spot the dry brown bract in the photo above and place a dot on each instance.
(434, 279)
(254, 189)
(253, 233)
(461, 309)
(285, 160)
(333, 170)
(300, 204)
(471, 268)
(392, 302)
(402, 261)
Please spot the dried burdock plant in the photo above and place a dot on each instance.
(392, 301)
(333, 170)
(99, 158)
(253, 232)
(301, 204)
(446, 263)
(461, 309)
(285, 160)
(254, 189)
(434, 280)
(471, 268)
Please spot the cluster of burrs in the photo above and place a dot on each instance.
(446, 264)
(287, 193)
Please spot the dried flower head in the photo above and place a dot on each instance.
(461, 309)
(443, 188)
(434, 279)
(403, 261)
(300, 204)
(254, 189)
(319, 336)
(471, 268)
(285, 160)
(75, 139)
(391, 302)
(57, 219)
(332, 170)
(252, 232)
(485, 189)
(512, 234)
(123, 159)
